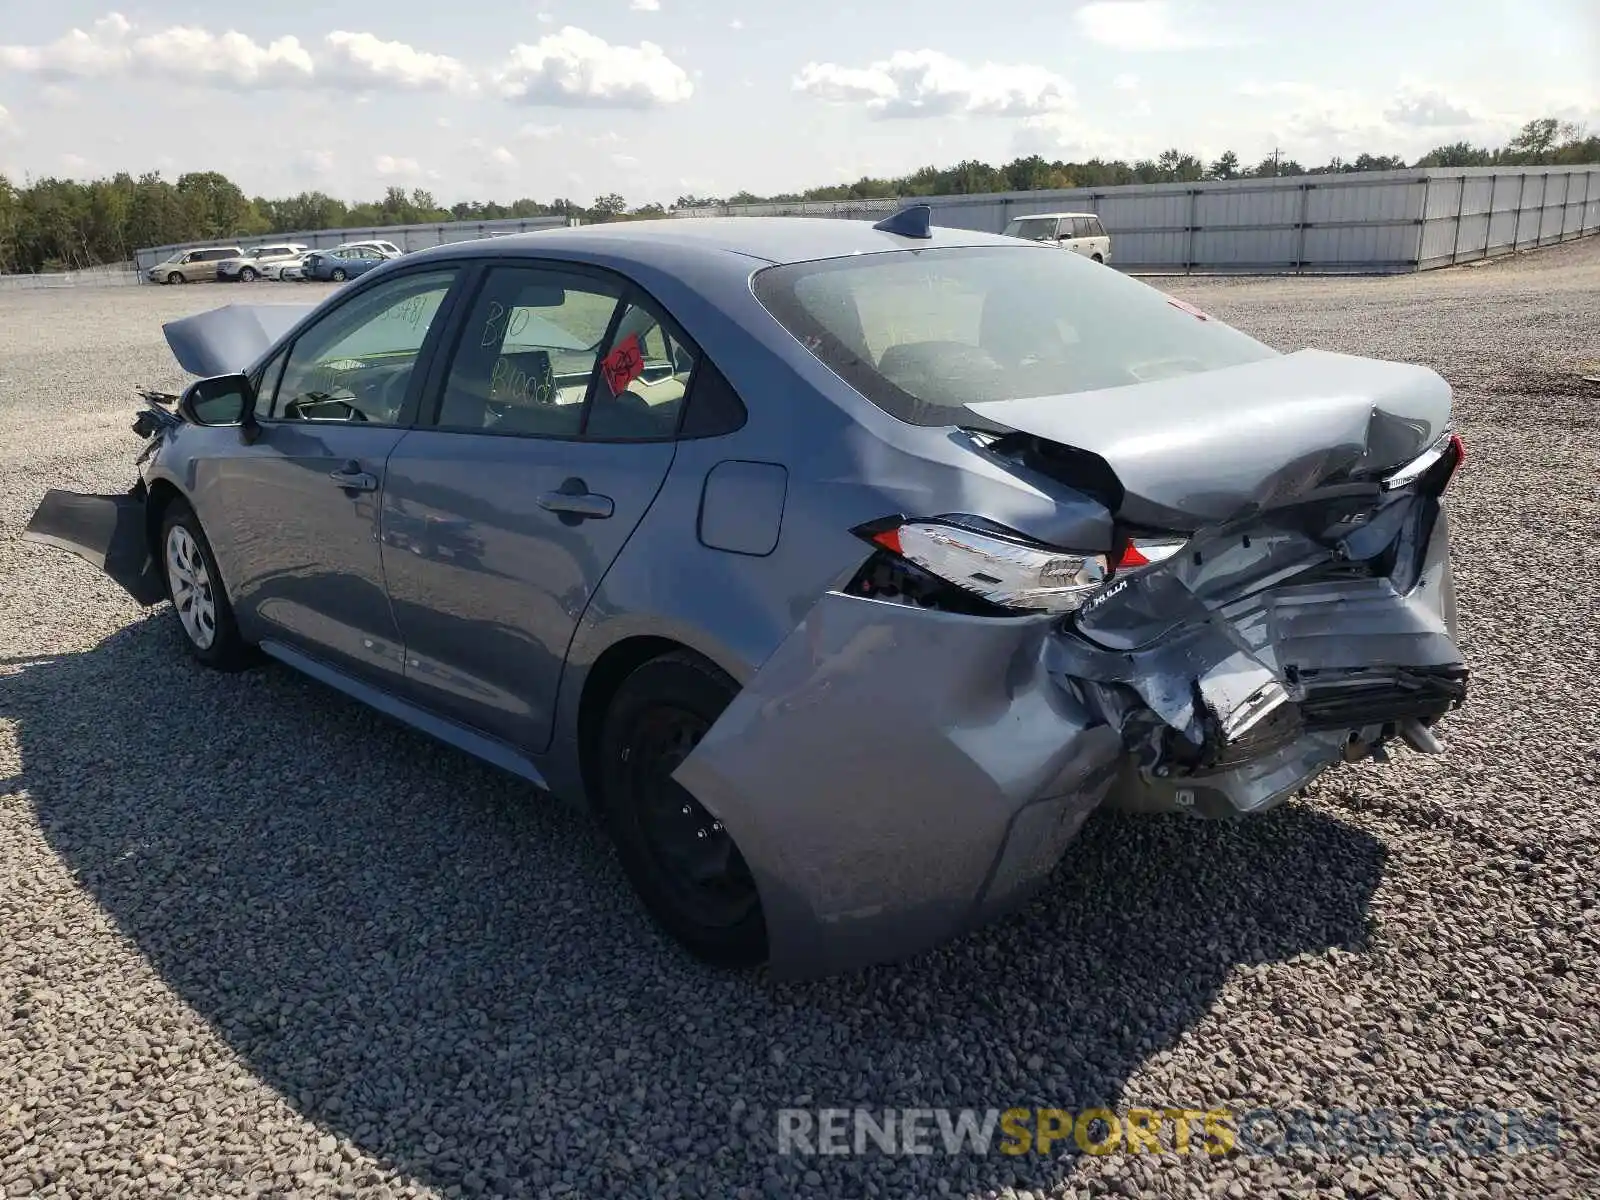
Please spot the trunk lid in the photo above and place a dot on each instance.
(228, 340)
(1196, 449)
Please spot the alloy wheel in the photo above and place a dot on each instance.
(190, 584)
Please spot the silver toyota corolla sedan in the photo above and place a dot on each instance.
(845, 569)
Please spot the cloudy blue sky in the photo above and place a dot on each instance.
(653, 98)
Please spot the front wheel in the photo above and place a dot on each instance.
(248, 275)
(338, 275)
(680, 860)
(1098, 259)
(195, 587)
(175, 277)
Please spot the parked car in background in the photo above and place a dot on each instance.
(293, 268)
(388, 249)
(258, 262)
(845, 569)
(342, 262)
(1082, 233)
(192, 266)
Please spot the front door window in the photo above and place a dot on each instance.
(357, 364)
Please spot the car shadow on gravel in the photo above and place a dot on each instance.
(428, 961)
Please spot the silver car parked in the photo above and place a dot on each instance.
(846, 569)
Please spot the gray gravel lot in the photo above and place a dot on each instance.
(254, 939)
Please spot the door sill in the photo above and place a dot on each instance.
(487, 749)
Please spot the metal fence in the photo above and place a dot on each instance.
(1381, 221)
(113, 275)
(407, 237)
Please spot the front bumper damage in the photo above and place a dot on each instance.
(108, 531)
(896, 775)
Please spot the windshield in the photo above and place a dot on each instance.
(922, 333)
(1036, 229)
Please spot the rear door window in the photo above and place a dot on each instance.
(527, 354)
(643, 379)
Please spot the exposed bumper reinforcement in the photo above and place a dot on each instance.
(107, 531)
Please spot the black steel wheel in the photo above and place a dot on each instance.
(681, 861)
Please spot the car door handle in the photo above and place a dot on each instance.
(574, 499)
(353, 478)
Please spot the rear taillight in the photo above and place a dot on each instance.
(1004, 569)
(1436, 465)
(1141, 552)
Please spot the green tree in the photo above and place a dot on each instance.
(1226, 167)
(217, 205)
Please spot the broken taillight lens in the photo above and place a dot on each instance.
(1007, 570)
(1436, 465)
(1141, 552)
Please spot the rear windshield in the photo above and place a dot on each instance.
(921, 333)
(1036, 229)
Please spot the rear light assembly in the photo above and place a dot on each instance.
(1005, 570)
(1441, 460)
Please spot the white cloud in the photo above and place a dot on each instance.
(544, 18)
(7, 125)
(387, 166)
(574, 68)
(645, 5)
(1126, 82)
(503, 157)
(184, 52)
(367, 60)
(319, 163)
(1428, 108)
(1143, 25)
(76, 54)
(926, 83)
(187, 54)
(624, 160)
(736, 24)
(532, 132)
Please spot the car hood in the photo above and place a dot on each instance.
(1208, 447)
(229, 339)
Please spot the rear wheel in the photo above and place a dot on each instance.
(175, 277)
(195, 588)
(338, 275)
(1098, 259)
(680, 859)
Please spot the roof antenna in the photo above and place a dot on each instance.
(914, 222)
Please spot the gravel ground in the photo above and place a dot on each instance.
(254, 939)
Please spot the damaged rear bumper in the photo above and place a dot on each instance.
(108, 531)
(896, 775)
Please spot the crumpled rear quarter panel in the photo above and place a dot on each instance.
(876, 767)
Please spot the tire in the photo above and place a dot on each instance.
(248, 275)
(662, 834)
(338, 275)
(199, 601)
(1098, 259)
(175, 277)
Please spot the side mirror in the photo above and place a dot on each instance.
(221, 400)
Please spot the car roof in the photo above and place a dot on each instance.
(1045, 216)
(768, 239)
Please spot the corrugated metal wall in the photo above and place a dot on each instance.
(1371, 222)
(407, 237)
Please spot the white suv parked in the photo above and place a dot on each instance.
(1081, 233)
(259, 262)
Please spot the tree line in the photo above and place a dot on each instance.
(63, 224)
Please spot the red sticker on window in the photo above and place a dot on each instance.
(1187, 307)
(623, 365)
